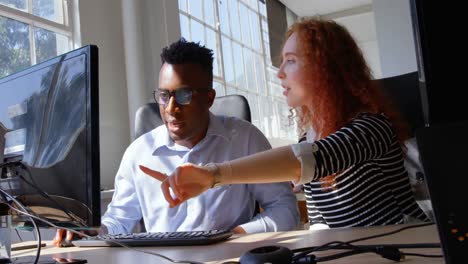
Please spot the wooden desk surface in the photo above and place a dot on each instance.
(238, 244)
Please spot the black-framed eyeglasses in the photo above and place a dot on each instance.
(183, 96)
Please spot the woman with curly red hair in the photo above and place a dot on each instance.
(350, 160)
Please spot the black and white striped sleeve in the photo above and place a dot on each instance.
(366, 137)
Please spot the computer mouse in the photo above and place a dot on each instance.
(267, 254)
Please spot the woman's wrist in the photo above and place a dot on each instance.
(213, 169)
(220, 173)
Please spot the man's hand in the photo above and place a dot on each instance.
(186, 182)
(59, 240)
(238, 230)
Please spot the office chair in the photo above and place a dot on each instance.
(403, 91)
(147, 116)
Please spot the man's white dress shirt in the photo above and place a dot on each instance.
(138, 195)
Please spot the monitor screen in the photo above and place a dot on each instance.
(49, 126)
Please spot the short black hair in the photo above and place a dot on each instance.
(183, 51)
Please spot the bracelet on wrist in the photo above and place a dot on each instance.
(214, 169)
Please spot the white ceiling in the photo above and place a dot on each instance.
(322, 7)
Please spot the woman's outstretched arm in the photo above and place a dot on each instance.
(189, 180)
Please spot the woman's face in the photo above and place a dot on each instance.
(292, 74)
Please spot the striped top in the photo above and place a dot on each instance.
(371, 185)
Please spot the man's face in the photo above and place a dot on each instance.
(187, 124)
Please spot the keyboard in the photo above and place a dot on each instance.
(181, 238)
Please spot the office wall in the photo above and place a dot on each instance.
(358, 20)
(161, 26)
(101, 24)
(395, 37)
(130, 37)
(362, 27)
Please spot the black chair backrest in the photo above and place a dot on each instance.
(147, 116)
(403, 90)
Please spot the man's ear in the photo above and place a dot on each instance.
(211, 96)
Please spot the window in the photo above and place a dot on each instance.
(32, 31)
(237, 32)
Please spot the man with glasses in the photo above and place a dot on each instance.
(192, 134)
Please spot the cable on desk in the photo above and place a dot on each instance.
(112, 241)
(390, 233)
(391, 252)
(422, 255)
(388, 252)
(359, 239)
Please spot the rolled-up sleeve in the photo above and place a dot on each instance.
(304, 152)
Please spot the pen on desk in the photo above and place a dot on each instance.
(26, 247)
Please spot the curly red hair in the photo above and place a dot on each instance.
(343, 85)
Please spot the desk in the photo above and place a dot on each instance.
(238, 244)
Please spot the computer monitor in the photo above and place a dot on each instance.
(49, 126)
(443, 142)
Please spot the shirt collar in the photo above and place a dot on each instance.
(163, 140)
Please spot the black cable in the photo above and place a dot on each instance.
(47, 196)
(39, 239)
(415, 245)
(340, 255)
(422, 255)
(110, 241)
(333, 244)
(22, 166)
(400, 246)
(11, 165)
(390, 233)
(391, 253)
(17, 233)
(388, 252)
(327, 246)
